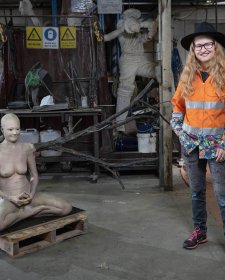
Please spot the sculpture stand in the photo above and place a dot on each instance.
(34, 234)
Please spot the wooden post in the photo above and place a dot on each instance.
(165, 137)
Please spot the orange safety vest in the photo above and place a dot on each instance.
(203, 111)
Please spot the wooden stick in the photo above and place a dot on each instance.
(96, 127)
(56, 144)
(104, 164)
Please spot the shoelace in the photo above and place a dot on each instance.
(194, 234)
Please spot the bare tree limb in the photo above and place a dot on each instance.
(97, 127)
(105, 124)
(104, 164)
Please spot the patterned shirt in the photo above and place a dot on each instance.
(207, 144)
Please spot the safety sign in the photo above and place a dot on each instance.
(34, 37)
(50, 37)
(68, 37)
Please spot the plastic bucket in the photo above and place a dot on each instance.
(144, 127)
(49, 135)
(84, 102)
(126, 143)
(30, 135)
(146, 142)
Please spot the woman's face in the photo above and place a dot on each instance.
(204, 49)
(11, 130)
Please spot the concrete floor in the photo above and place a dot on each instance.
(135, 234)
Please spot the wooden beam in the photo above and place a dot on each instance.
(165, 96)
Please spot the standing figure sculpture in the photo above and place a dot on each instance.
(132, 33)
(19, 179)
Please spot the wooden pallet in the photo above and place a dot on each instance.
(34, 238)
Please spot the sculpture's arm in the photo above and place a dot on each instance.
(152, 27)
(114, 34)
(33, 171)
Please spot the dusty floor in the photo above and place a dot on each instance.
(133, 234)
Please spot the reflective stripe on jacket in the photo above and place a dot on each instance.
(203, 111)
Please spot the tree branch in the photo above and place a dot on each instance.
(107, 123)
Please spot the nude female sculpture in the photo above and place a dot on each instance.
(19, 179)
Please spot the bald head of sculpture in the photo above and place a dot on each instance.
(9, 117)
(10, 127)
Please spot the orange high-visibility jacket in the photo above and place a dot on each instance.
(203, 112)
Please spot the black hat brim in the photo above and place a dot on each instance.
(217, 36)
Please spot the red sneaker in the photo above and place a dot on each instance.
(197, 237)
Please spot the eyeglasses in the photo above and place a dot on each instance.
(207, 46)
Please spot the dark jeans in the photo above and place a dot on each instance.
(196, 169)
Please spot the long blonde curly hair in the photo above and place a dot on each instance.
(216, 70)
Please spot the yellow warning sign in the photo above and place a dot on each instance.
(68, 37)
(34, 37)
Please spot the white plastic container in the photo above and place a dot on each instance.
(30, 135)
(49, 135)
(84, 102)
(146, 142)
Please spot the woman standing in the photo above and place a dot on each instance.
(199, 121)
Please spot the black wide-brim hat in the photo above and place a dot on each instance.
(203, 28)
